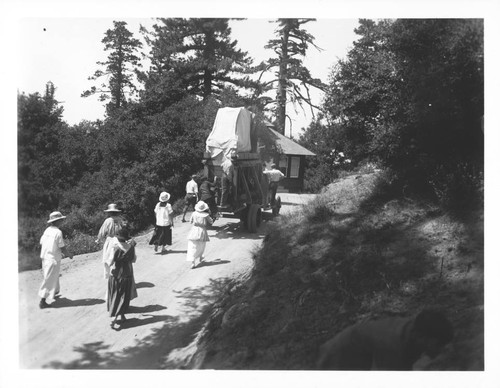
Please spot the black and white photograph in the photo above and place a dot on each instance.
(262, 194)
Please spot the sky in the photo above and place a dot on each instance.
(66, 54)
(65, 51)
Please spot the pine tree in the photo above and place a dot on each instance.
(120, 67)
(200, 55)
(292, 77)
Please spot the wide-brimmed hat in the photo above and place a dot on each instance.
(112, 208)
(164, 196)
(54, 216)
(201, 206)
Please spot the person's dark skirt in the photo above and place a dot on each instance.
(162, 236)
(120, 292)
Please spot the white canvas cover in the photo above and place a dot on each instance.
(230, 133)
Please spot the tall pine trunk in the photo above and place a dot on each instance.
(282, 82)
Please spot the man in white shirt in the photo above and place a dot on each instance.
(191, 195)
(274, 175)
(52, 251)
(227, 178)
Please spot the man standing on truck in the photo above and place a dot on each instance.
(207, 195)
(227, 178)
(274, 176)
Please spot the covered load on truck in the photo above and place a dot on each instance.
(231, 158)
(233, 132)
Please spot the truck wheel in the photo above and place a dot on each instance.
(254, 218)
(277, 206)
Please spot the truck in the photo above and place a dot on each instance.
(232, 159)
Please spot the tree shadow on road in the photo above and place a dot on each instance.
(65, 302)
(175, 337)
(236, 232)
(196, 298)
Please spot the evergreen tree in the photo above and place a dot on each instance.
(410, 95)
(292, 77)
(362, 89)
(119, 69)
(197, 56)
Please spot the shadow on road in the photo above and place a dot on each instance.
(212, 262)
(235, 232)
(195, 299)
(135, 322)
(145, 309)
(169, 252)
(149, 353)
(144, 285)
(291, 204)
(65, 302)
(169, 346)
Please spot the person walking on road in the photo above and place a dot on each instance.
(207, 195)
(198, 236)
(164, 222)
(108, 231)
(121, 283)
(52, 251)
(274, 176)
(191, 196)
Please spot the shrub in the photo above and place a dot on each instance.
(81, 243)
(30, 229)
(81, 221)
(459, 188)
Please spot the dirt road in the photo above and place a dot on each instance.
(162, 322)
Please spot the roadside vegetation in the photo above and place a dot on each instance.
(356, 252)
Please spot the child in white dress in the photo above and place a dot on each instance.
(198, 236)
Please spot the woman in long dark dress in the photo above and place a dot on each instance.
(121, 284)
(162, 235)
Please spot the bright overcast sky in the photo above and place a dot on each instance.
(65, 51)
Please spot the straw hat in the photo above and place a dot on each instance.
(201, 206)
(54, 216)
(112, 209)
(164, 196)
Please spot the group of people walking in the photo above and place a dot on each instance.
(118, 254)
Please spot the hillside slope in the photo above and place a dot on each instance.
(352, 254)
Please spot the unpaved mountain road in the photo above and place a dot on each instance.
(163, 320)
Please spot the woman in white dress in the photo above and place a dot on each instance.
(198, 236)
(109, 229)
